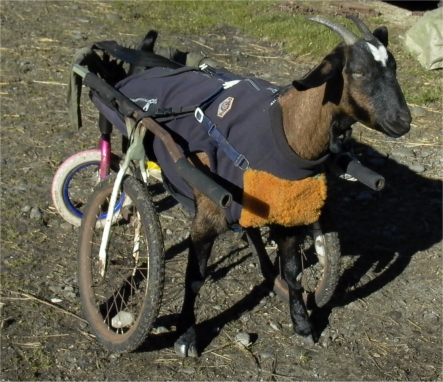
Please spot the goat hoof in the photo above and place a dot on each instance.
(185, 345)
(308, 335)
(185, 350)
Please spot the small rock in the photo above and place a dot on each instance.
(217, 307)
(424, 153)
(402, 152)
(26, 208)
(265, 355)
(243, 339)
(431, 316)
(55, 300)
(35, 213)
(326, 342)
(83, 324)
(245, 317)
(202, 40)
(187, 370)
(418, 111)
(66, 226)
(275, 325)
(168, 232)
(395, 315)
(398, 160)
(84, 21)
(376, 355)
(112, 16)
(55, 289)
(417, 168)
(160, 330)
(24, 63)
(271, 294)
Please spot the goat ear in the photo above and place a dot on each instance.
(382, 35)
(331, 65)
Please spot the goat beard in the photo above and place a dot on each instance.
(268, 199)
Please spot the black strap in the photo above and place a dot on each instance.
(136, 57)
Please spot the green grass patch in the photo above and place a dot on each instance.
(426, 96)
(259, 19)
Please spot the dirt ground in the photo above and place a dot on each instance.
(384, 322)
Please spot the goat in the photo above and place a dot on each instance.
(355, 82)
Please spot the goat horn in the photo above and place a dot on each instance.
(367, 34)
(348, 37)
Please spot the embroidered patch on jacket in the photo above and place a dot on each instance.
(224, 107)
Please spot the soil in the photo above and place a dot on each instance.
(384, 322)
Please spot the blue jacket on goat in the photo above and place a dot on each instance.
(244, 110)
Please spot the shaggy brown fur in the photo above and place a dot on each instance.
(271, 200)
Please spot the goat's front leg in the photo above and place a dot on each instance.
(208, 222)
(287, 240)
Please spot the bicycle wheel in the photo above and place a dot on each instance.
(320, 259)
(74, 181)
(121, 306)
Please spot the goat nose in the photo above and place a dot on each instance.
(404, 117)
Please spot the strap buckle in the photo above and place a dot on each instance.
(241, 162)
(199, 115)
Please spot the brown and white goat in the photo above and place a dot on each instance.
(355, 82)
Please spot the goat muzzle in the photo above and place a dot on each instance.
(398, 126)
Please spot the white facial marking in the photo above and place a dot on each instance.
(380, 53)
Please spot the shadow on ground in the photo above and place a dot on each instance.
(379, 233)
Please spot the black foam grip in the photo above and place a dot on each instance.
(365, 175)
(203, 183)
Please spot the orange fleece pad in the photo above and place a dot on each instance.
(268, 199)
